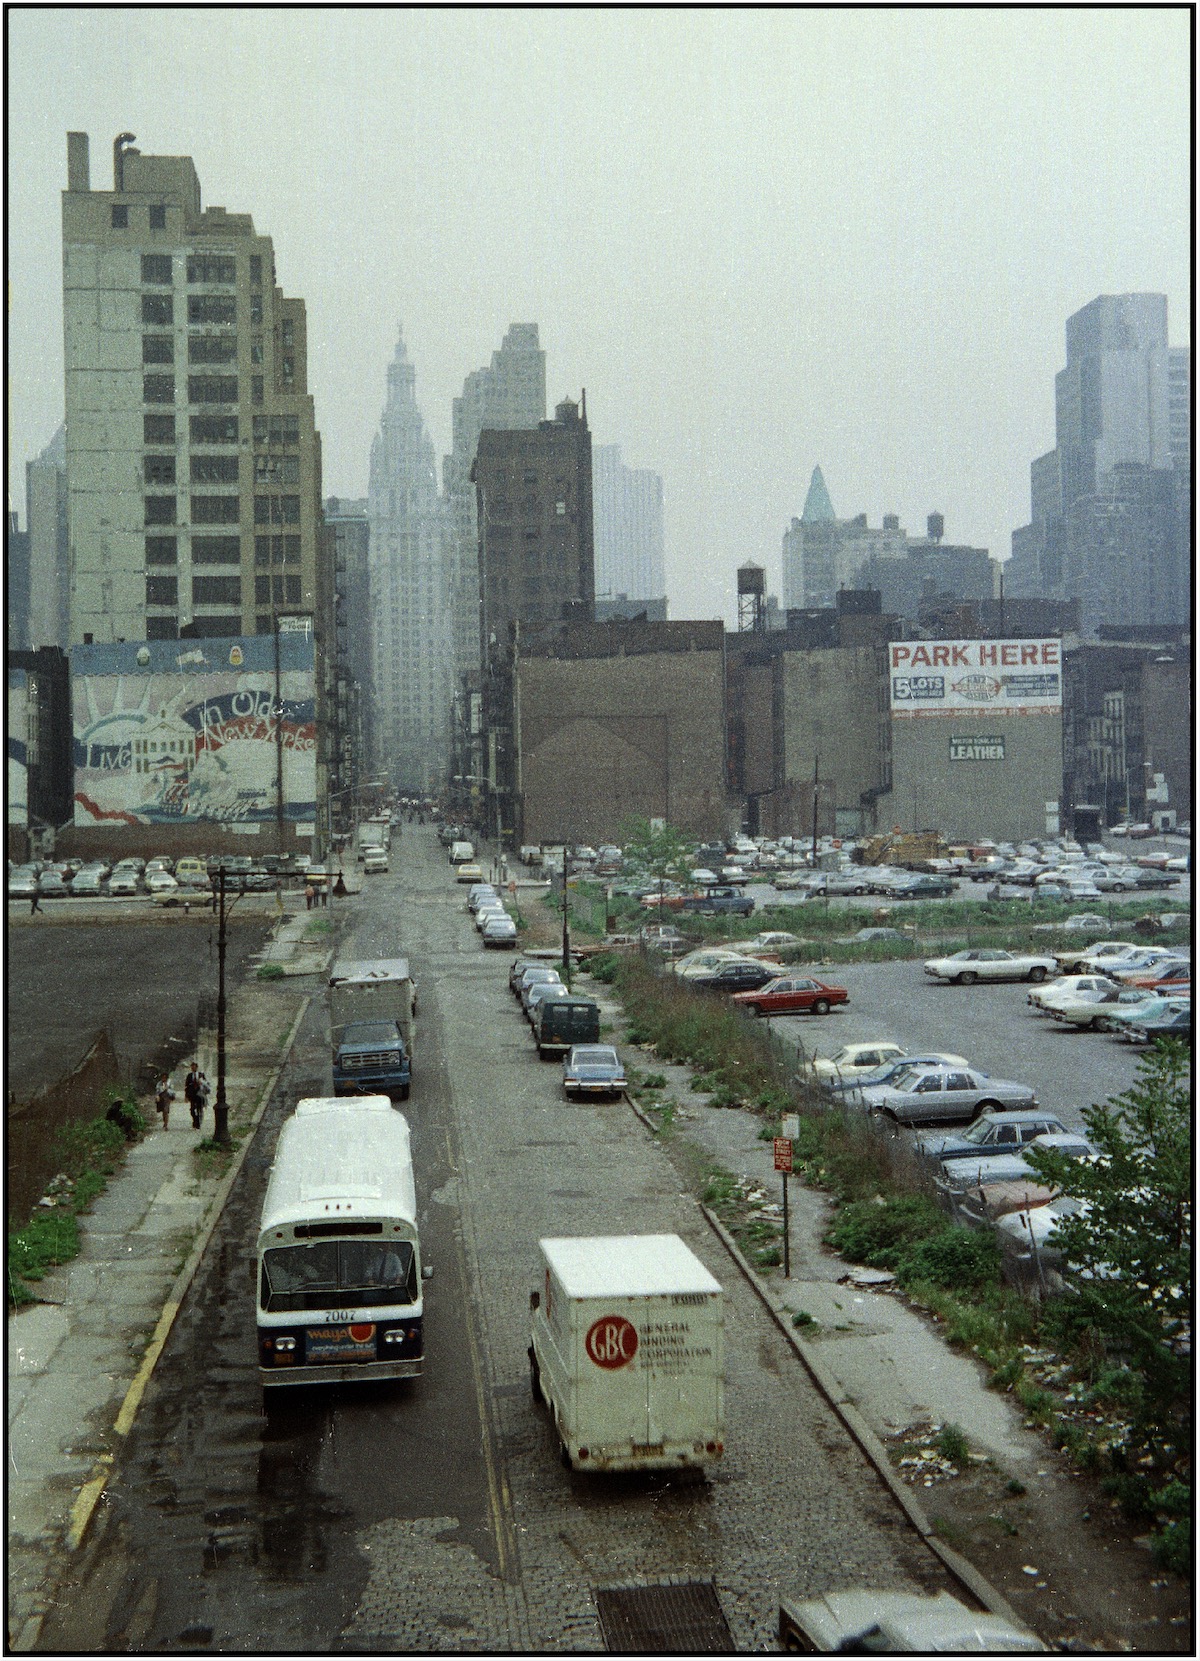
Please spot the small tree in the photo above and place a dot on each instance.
(1129, 1250)
(663, 851)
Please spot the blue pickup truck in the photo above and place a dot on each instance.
(371, 1058)
(718, 902)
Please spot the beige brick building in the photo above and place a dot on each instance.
(193, 461)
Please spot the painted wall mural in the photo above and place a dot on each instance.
(18, 748)
(171, 730)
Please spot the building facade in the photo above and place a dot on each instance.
(510, 393)
(193, 464)
(411, 594)
(353, 705)
(615, 721)
(629, 532)
(1111, 503)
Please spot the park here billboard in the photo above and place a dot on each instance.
(982, 677)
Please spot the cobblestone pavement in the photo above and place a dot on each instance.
(792, 1506)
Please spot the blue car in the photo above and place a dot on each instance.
(885, 1075)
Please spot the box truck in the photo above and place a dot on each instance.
(627, 1352)
(369, 1001)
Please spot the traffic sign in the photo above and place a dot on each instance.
(783, 1153)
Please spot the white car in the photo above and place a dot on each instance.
(989, 963)
(852, 1060)
(705, 961)
(1070, 988)
(124, 880)
(860, 1622)
(765, 945)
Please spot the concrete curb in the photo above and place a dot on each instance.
(964, 1572)
(89, 1496)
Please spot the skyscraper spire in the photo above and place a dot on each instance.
(817, 504)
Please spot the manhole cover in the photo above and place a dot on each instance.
(674, 1617)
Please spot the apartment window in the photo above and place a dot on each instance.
(158, 429)
(156, 268)
(256, 309)
(217, 591)
(277, 510)
(214, 429)
(286, 332)
(158, 349)
(262, 591)
(158, 308)
(120, 216)
(291, 549)
(160, 550)
(212, 389)
(158, 389)
(212, 308)
(212, 348)
(266, 469)
(256, 349)
(214, 469)
(158, 217)
(289, 371)
(262, 550)
(292, 585)
(256, 388)
(159, 469)
(256, 270)
(216, 510)
(277, 430)
(218, 628)
(216, 550)
(211, 268)
(160, 510)
(162, 591)
(262, 624)
(162, 628)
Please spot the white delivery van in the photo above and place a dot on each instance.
(375, 861)
(627, 1352)
(461, 853)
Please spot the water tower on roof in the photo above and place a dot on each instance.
(752, 590)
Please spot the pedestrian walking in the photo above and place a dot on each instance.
(192, 1089)
(163, 1097)
(309, 892)
(34, 901)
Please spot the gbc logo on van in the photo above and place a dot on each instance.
(611, 1342)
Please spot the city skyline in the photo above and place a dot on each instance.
(747, 283)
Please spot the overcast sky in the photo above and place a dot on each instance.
(762, 240)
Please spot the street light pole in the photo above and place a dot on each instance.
(566, 938)
(221, 1106)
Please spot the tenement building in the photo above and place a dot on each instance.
(1110, 520)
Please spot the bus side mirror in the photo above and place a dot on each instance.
(427, 1271)
(535, 1300)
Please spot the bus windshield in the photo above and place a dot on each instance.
(330, 1274)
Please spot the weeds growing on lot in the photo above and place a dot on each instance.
(87, 1153)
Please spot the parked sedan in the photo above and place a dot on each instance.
(740, 975)
(1120, 1021)
(989, 963)
(593, 1070)
(1178, 1025)
(863, 1621)
(928, 1095)
(22, 885)
(537, 993)
(1091, 1009)
(499, 930)
(87, 882)
(52, 885)
(124, 880)
(884, 1075)
(991, 1133)
(853, 1061)
(792, 995)
(1010, 1166)
(1069, 989)
(1164, 977)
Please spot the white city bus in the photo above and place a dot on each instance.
(339, 1257)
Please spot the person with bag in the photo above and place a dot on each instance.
(163, 1097)
(193, 1090)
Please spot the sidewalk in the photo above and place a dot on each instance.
(79, 1359)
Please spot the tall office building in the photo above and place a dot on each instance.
(411, 589)
(822, 553)
(352, 708)
(628, 508)
(1111, 503)
(49, 545)
(510, 393)
(193, 463)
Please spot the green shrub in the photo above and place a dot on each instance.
(956, 1258)
(270, 971)
(603, 967)
(1171, 1547)
(874, 1233)
(952, 1444)
(803, 1318)
(655, 1081)
(51, 1239)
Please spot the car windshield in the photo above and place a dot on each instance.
(980, 1131)
(594, 1055)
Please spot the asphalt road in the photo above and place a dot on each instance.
(434, 1514)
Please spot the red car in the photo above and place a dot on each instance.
(792, 995)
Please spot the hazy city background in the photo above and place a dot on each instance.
(762, 242)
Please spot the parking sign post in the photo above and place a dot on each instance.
(783, 1163)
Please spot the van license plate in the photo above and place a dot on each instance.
(642, 1450)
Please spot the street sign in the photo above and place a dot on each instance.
(790, 1126)
(783, 1153)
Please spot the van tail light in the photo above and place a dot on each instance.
(583, 1453)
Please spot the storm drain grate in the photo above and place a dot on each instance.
(672, 1618)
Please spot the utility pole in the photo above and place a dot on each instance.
(221, 1106)
(816, 795)
(566, 939)
(278, 741)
